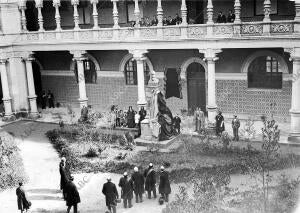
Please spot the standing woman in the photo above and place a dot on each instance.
(130, 118)
(23, 203)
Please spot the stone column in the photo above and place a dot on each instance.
(237, 11)
(22, 7)
(5, 89)
(39, 6)
(267, 10)
(79, 57)
(295, 105)
(56, 4)
(183, 12)
(30, 84)
(160, 14)
(95, 13)
(137, 13)
(139, 57)
(210, 12)
(115, 14)
(75, 4)
(210, 57)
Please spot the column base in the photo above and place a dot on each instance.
(146, 132)
(211, 112)
(33, 105)
(83, 102)
(142, 103)
(9, 118)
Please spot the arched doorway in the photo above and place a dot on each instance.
(196, 87)
(37, 81)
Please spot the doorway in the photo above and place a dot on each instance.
(196, 87)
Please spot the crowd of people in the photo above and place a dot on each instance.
(146, 22)
(135, 184)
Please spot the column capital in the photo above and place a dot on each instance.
(75, 2)
(78, 55)
(28, 56)
(56, 3)
(22, 4)
(294, 53)
(138, 54)
(94, 1)
(38, 3)
(210, 54)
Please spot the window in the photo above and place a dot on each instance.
(90, 73)
(264, 72)
(131, 72)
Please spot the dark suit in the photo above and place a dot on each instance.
(73, 197)
(150, 182)
(138, 185)
(111, 194)
(164, 185)
(127, 191)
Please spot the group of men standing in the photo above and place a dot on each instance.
(47, 98)
(137, 185)
(199, 120)
(222, 18)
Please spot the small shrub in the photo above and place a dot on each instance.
(92, 152)
(248, 132)
(225, 140)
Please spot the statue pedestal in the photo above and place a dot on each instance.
(146, 132)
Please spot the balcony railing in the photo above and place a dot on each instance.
(177, 32)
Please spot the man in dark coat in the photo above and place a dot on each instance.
(64, 176)
(176, 122)
(235, 127)
(164, 184)
(130, 118)
(23, 203)
(111, 195)
(50, 97)
(44, 100)
(150, 182)
(220, 126)
(230, 17)
(221, 18)
(73, 197)
(126, 190)
(138, 185)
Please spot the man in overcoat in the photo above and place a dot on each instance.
(235, 127)
(64, 175)
(23, 203)
(220, 126)
(73, 197)
(164, 184)
(111, 195)
(127, 190)
(150, 176)
(138, 185)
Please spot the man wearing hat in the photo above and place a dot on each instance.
(235, 127)
(220, 126)
(23, 203)
(73, 197)
(111, 195)
(164, 184)
(138, 185)
(126, 190)
(64, 175)
(150, 182)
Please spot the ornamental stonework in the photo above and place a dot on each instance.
(171, 32)
(196, 31)
(148, 33)
(223, 30)
(252, 29)
(282, 28)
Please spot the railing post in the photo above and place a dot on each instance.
(116, 20)
(184, 23)
(210, 21)
(267, 19)
(160, 14)
(22, 7)
(39, 6)
(237, 20)
(297, 17)
(75, 3)
(95, 14)
(56, 4)
(137, 19)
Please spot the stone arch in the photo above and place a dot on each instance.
(189, 61)
(129, 56)
(259, 53)
(92, 58)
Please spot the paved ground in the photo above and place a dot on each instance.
(41, 164)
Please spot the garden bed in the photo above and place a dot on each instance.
(95, 150)
(11, 165)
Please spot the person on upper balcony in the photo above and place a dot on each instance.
(177, 20)
(221, 18)
(154, 21)
(170, 21)
(147, 22)
(142, 22)
(230, 17)
(165, 21)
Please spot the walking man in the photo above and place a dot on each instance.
(164, 184)
(150, 182)
(23, 203)
(73, 197)
(126, 190)
(235, 127)
(111, 195)
(138, 185)
(64, 176)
